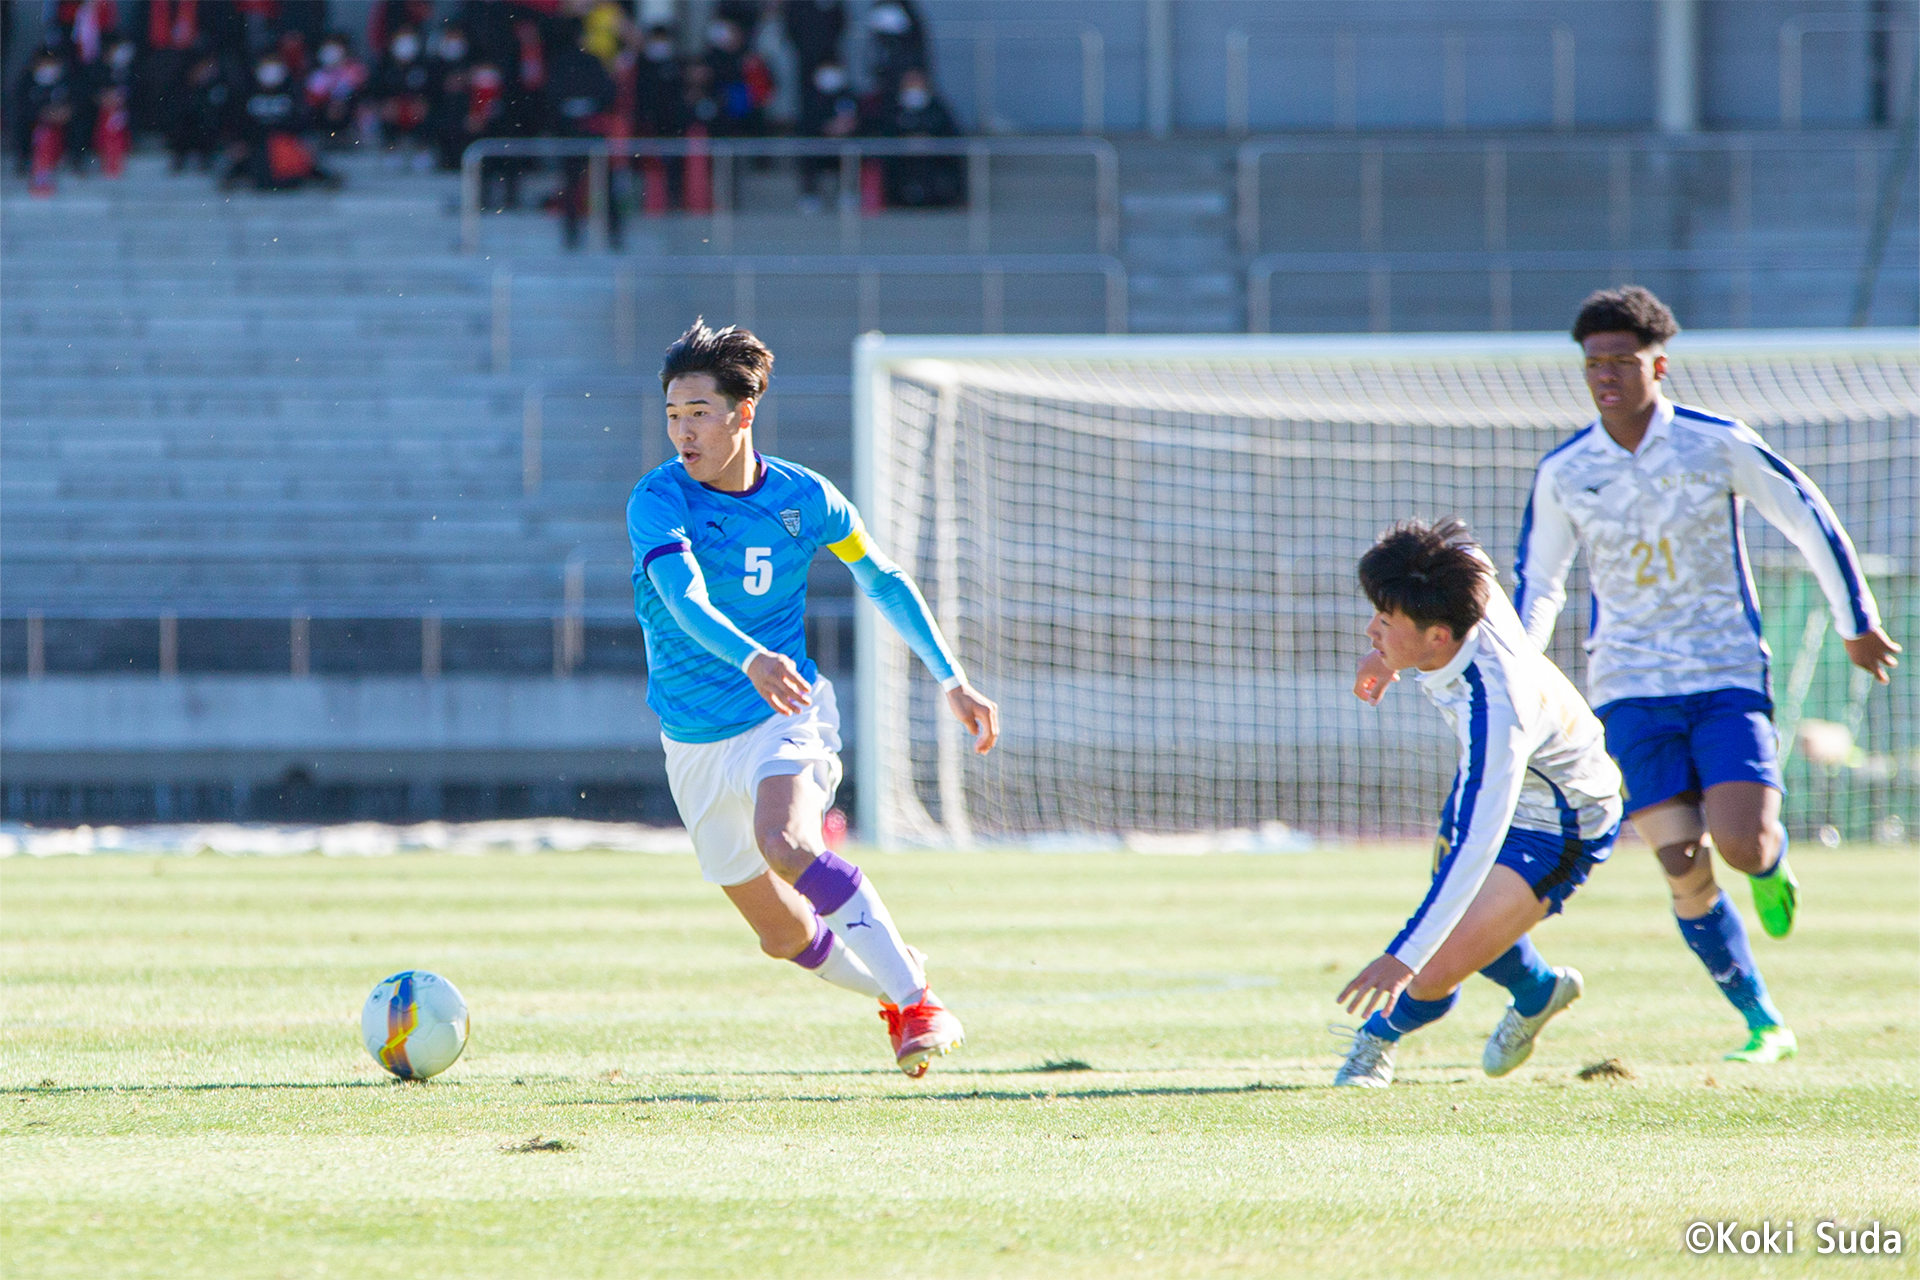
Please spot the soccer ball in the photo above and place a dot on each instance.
(415, 1024)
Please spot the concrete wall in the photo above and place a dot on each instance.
(1399, 61)
(276, 714)
(273, 746)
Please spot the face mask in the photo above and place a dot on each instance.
(406, 48)
(271, 74)
(659, 51)
(829, 79)
(46, 75)
(915, 99)
(888, 19)
(453, 48)
(331, 54)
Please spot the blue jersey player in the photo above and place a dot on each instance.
(722, 539)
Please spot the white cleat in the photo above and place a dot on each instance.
(1369, 1061)
(1512, 1041)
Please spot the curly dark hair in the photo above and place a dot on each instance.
(1429, 573)
(1628, 309)
(739, 363)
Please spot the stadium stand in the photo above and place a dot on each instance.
(301, 456)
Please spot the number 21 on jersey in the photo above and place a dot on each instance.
(1645, 574)
(759, 571)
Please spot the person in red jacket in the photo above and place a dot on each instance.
(334, 88)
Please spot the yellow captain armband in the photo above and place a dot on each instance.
(852, 548)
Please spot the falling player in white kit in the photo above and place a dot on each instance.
(1535, 802)
(1679, 672)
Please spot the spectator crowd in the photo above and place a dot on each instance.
(260, 91)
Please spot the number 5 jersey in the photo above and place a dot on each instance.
(1674, 608)
(720, 578)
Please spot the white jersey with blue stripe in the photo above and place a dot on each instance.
(1532, 756)
(1674, 609)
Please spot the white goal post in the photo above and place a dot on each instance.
(1144, 547)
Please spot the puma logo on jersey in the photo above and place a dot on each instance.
(715, 526)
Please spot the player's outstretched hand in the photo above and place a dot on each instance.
(1380, 983)
(778, 680)
(979, 713)
(1873, 652)
(1374, 679)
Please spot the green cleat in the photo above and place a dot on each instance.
(1776, 896)
(1768, 1044)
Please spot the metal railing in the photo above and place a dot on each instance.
(1738, 149)
(1793, 39)
(868, 270)
(1500, 267)
(721, 154)
(1346, 69)
(985, 37)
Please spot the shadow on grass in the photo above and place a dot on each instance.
(954, 1095)
(1049, 1067)
(48, 1090)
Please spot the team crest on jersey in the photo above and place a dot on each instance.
(791, 518)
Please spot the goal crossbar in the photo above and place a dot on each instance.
(1275, 404)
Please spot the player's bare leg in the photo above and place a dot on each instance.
(789, 930)
(1492, 938)
(1710, 924)
(1744, 820)
(782, 918)
(1502, 912)
(787, 825)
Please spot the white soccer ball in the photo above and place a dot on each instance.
(415, 1024)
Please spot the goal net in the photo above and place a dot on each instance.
(1144, 549)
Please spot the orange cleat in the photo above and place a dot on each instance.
(921, 1032)
(890, 1014)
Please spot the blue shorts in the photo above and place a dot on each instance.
(1553, 865)
(1678, 746)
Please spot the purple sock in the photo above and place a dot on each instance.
(817, 951)
(828, 883)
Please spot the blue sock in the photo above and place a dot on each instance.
(1719, 938)
(1409, 1015)
(1522, 971)
(1778, 862)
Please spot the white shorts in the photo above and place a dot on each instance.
(715, 784)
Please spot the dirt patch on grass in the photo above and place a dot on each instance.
(539, 1142)
(1608, 1069)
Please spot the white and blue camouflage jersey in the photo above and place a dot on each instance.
(1674, 609)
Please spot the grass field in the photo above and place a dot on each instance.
(185, 1093)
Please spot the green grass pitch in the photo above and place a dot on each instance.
(185, 1093)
